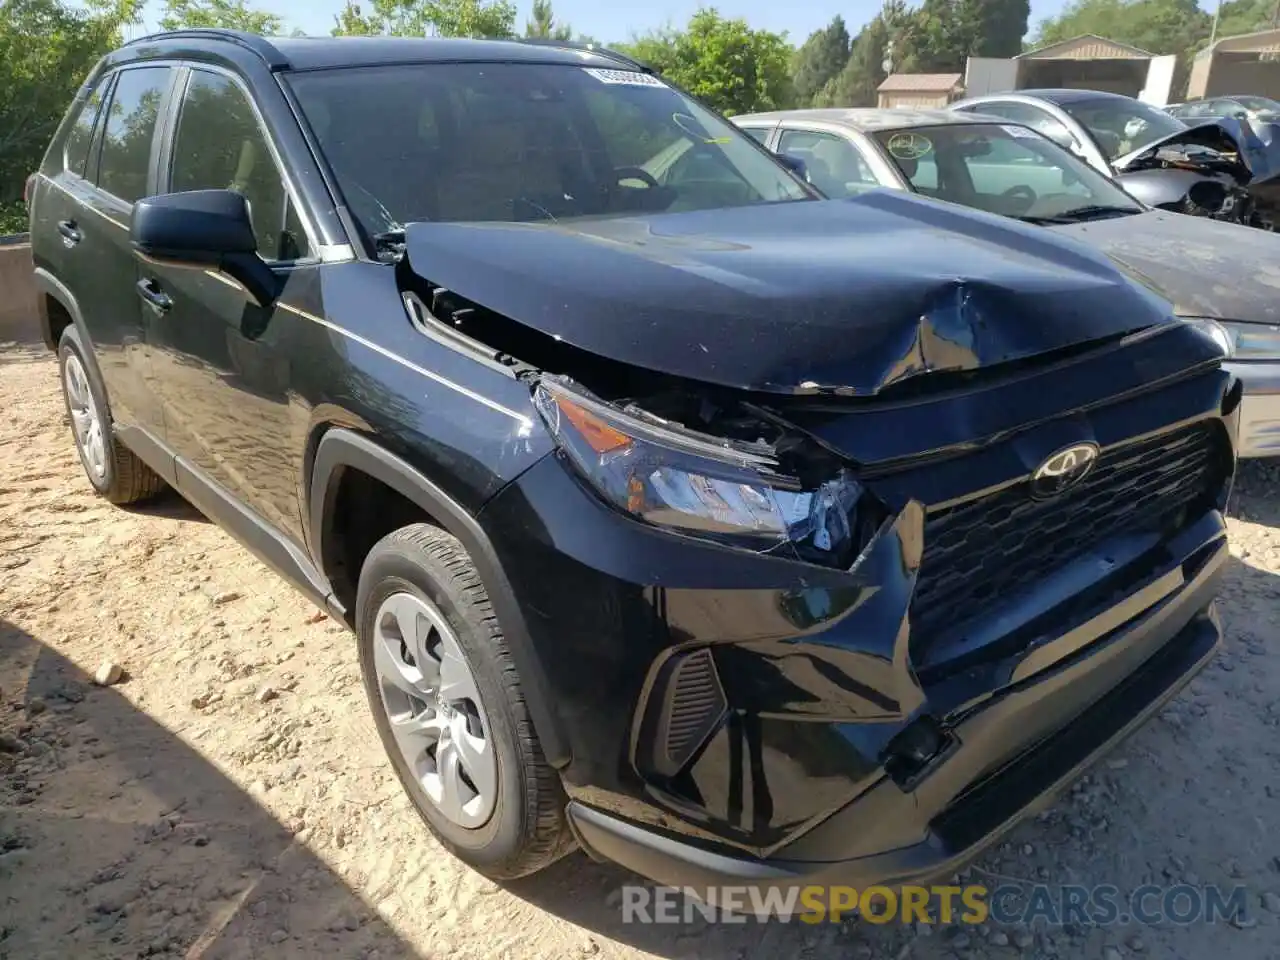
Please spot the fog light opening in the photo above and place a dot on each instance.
(916, 751)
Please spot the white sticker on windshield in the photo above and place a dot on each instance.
(626, 78)
(1022, 133)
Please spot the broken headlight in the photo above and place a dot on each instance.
(699, 485)
(1243, 341)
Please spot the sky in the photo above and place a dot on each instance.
(617, 20)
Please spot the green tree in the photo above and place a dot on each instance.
(855, 85)
(47, 48)
(723, 62)
(417, 18)
(1157, 26)
(819, 59)
(542, 23)
(942, 34)
(353, 22)
(231, 14)
(1247, 16)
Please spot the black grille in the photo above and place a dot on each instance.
(696, 703)
(987, 549)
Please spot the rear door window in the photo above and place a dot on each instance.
(130, 131)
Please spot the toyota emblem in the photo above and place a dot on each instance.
(1063, 469)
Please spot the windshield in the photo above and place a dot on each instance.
(1002, 168)
(467, 142)
(1121, 126)
(1258, 104)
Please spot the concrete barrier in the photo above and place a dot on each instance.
(18, 318)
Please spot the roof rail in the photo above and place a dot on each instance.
(595, 48)
(258, 45)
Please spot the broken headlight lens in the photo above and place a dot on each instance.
(1243, 341)
(699, 485)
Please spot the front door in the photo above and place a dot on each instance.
(222, 376)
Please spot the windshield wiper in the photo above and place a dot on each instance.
(1098, 211)
(389, 246)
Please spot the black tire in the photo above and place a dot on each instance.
(126, 479)
(527, 830)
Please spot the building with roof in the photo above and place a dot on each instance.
(1086, 62)
(1248, 63)
(919, 90)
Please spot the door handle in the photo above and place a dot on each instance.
(156, 298)
(71, 234)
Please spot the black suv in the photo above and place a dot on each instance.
(736, 535)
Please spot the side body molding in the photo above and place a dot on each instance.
(341, 449)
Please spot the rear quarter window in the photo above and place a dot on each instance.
(75, 153)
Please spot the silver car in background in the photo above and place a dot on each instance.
(1222, 275)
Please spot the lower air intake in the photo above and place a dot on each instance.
(685, 707)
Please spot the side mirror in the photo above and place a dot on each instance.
(794, 164)
(204, 228)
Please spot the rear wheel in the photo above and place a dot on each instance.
(113, 469)
(449, 707)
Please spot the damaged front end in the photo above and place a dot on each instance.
(828, 606)
(1205, 171)
(791, 558)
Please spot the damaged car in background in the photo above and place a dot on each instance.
(1210, 168)
(1220, 275)
(736, 536)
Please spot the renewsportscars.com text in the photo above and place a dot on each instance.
(1010, 904)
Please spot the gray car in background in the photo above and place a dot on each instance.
(1222, 275)
(1213, 167)
(1259, 111)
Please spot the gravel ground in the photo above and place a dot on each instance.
(229, 798)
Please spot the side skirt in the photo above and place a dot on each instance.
(211, 499)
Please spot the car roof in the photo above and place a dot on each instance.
(319, 53)
(1060, 95)
(870, 118)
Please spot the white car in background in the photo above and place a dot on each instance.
(1222, 275)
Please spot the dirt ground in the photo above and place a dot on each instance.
(229, 799)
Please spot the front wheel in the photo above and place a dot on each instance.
(449, 707)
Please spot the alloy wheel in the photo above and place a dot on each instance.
(432, 703)
(86, 418)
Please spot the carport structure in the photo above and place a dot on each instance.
(1086, 62)
(1248, 63)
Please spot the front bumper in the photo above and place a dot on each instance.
(1090, 705)
(727, 715)
(1260, 408)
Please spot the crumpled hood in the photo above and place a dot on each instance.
(845, 296)
(1214, 135)
(1205, 268)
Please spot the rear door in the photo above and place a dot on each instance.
(98, 263)
(60, 199)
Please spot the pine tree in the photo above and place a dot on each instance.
(543, 23)
(819, 59)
